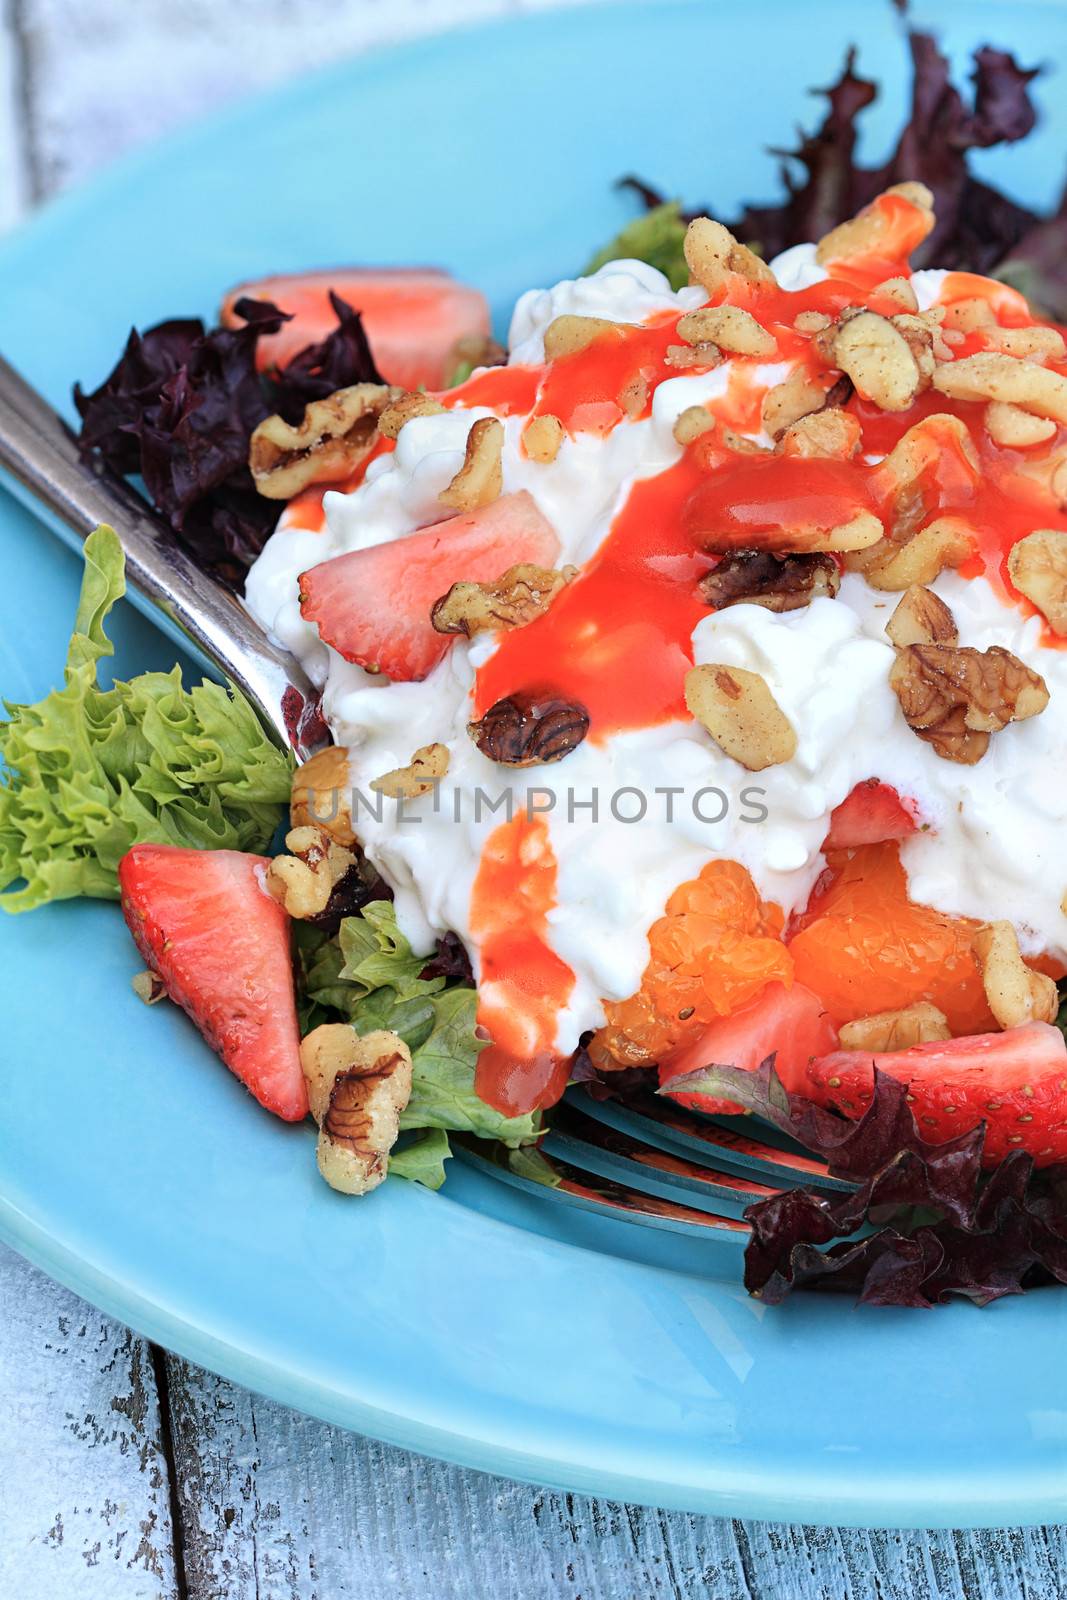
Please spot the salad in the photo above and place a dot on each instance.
(697, 693)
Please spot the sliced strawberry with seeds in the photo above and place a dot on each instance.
(1015, 1082)
(871, 814)
(790, 1024)
(374, 605)
(203, 921)
(413, 317)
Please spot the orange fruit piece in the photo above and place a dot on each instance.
(864, 946)
(717, 948)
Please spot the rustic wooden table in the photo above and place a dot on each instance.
(125, 1473)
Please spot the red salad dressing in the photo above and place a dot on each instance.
(524, 984)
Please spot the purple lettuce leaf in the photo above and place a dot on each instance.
(180, 407)
(924, 1221)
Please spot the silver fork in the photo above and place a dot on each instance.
(646, 1161)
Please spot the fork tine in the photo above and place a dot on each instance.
(741, 1146)
(588, 1192)
(592, 1146)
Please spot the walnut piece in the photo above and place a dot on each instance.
(990, 376)
(729, 328)
(893, 566)
(321, 797)
(568, 335)
(972, 315)
(481, 477)
(712, 255)
(542, 437)
(692, 423)
(149, 987)
(428, 766)
(954, 696)
(917, 453)
(684, 356)
(335, 435)
(921, 1023)
(1016, 994)
(797, 396)
(740, 713)
(1037, 566)
(878, 358)
(513, 600)
(828, 433)
(865, 233)
(1014, 428)
(527, 729)
(1029, 344)
(404, 409)
(898, 290)
(303, 881)
(357, 1089)
(922, 617)
(861, 531)
(778, 583)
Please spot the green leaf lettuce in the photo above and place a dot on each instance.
(92, 771)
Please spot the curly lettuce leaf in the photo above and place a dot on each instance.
(91, 771)
(656, 237)
(369, 976)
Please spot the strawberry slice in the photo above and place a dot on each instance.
(791, 1024)
(871, 814)
(374, 605)
(203, 921)
(1015, 1081)
(413, 317)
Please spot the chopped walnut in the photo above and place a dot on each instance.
(778, 583)
(921, 1023)
(741, 714)
(684, 356)
(542, 437)
(149, 987)
(898, 290)
(303, 881)
(1037, 566)
(812, 321)
(861, 531)
(428, 766)
(1029, 344)
(513, 600)
(830, 433)
(633, 396)
(954, 696)
(918, 452)
(712, 254)
(693, 422)
(922, 333)
(1016, 429)
(893, 565)
(321, 796)
(335, 435)
(878, 358)
(476, 350)
(1016, 994)
(728, 327)
(972, 315)
(528, 729)
(991, 376)
(797, 396)
(481, 477)
(569, 334)
(404, 409)
(922, 617)
(357, 1090)
(864, 233)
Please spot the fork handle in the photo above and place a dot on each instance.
(40, 459)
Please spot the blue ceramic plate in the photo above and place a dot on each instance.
(473, 1324)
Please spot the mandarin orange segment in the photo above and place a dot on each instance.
(864, 947)
(716, 949)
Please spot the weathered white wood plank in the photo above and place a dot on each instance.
(84, 1485)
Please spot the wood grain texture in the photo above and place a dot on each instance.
(84, 1485)
(270, 1505)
